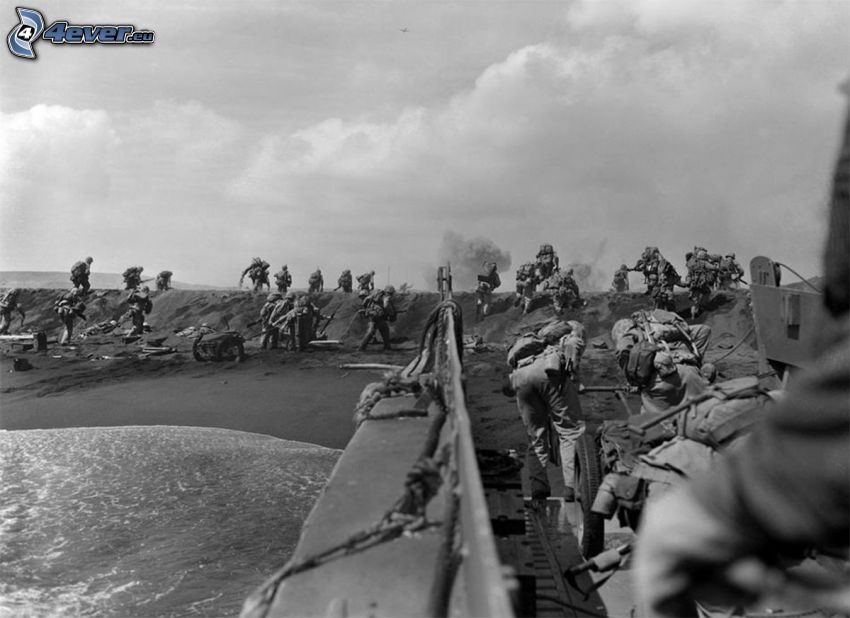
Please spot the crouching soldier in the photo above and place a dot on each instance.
(379, 309)
(345, 282)
(545, 385)
(80, 273)
(140, 305)
(163, 280)
(132, 277)
(68, 309)
(621, 280)
(8, 304)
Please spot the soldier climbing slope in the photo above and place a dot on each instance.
(621, 280)
(344, 282)
(527, 278)
(140, 303)
(487, 282)
(283, 280)
(365, 283)
(69, 309)
(729, 273)
(379, 308)
(547, 261)
(163, 280)
(545, 382)
(316, 282)
(132, 277)
(8, 304)
(80, 273)
(258, 273)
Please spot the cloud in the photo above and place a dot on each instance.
(640, 122)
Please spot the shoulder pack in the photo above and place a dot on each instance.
(639, 364)
(524, 347)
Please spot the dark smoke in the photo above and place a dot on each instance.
(467, 256)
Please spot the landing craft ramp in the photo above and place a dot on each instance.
(410, 524)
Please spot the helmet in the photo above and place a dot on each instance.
(89, 260)
(273, 296)
(290, 295)
(623, 267)
(709, 372)
(371, 272)
(389, 290)
(731, 255)
(664, 364)
(285, 267)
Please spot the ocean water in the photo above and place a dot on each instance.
(148, 521)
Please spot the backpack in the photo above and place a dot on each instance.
(553, 331)
(721, 419)
(78, 269)
(639, 363)
(524, 347)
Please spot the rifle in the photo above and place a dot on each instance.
(711, 393)
(327, 323)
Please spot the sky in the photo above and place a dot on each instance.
(320, 134)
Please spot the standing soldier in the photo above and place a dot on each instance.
(379, 309)
(316, 282)
(8, 304)
(258, 273)
(140, 305)
(547, 261)
(68, 309)
(271, 336)
(487, 282)
(80, 273)
(133, 277)
(163, 280)
(621, 279)
(283, 280)
(344, 282)
(365, 284)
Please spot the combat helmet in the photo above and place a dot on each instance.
(389, 290)
(273, 296)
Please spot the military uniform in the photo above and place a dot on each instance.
(366, 283)
(163, 280)
(8, 304)
(258, 273)
(487, 282)
(132, 277)
(547, 398)
(621, 279)
(68, 311)
(140, 305)
(271, 335)
(345, 282)
(380, 310)
(316, 282)
(283, 280)
(80, 273)
(526, 284)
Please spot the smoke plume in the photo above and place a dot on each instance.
(467, 257)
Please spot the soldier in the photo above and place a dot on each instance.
(80, 273)
(344, 282)
(547, 396)
(547, 261)
(140, 303)
(670, 384)
(8, 304)
(379, 309)
(271, 335)
(526, 284)
(258, 273)
(163, 280)
(487, 282)
(700, 278)
(647, 264)
(716, 538)
(301, 322)
(663, 282)
(68, 310)
(282, 279)
(316, 282)
(729, 273)
(280, 317)
(621, 279)
(133, 277)
(365, 284)
(563, 289)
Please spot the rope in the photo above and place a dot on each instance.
(393, 386)
(800, 277)
(737, 345)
